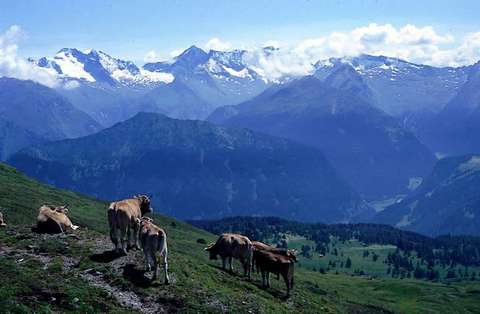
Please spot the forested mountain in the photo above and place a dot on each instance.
(195, 169)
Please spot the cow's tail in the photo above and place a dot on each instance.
(112, 217)
(249, 258)
(111, 214)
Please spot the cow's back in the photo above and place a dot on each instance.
(234, 245)
(151, 236)
(127, 209)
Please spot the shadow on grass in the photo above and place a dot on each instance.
(106, 257)
(137, 276)
(275, 293)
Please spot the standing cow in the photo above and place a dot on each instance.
(229, 246)
(154, 239)
(257, 245)
(268, 262)
(54, 219)
(124, 221)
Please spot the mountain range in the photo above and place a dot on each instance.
(194, 169)
(368, 147)
(379, 125)
(31, 113)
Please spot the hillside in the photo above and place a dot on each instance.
(74, 273)
(447, 202)
(455, 130)
(369, 148)
(196, 170)
(31, 113)
(376, 251)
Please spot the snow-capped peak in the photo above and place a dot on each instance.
(96, 66)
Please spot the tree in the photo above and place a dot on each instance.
(348, 263)
(451, 274)
(306, 250)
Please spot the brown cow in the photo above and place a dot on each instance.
(268, 262)
(229, 246)
(124, 221)
(54, 219)
(2, 222)
(257, 245)
(154, 239)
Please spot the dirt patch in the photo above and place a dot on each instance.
(126, 298)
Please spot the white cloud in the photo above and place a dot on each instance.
(150, 56)
(217, 44)
(11, 65)
(71, 84)
(410, 42)
(176, 52)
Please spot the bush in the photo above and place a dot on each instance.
(202, 241)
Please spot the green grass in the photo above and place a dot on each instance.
(198, 285)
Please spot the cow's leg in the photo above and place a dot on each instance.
(148, 266)
(114, 237)
(155, 266)
(129, 237)
(165, 266)
(268, 279)
(224, 263)
(124, 239)
(263, 278)
(136, 236)
(287, 282)
(230, 263)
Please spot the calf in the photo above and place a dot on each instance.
(54, 219)
(154, 239)
(229, 246)
(124, 221)
(268, 262)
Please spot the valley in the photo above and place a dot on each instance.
(71, 273)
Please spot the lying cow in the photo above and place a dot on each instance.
(54, 219)
(2, 222)
(268, 262)
(124, 221)
(154, 239)
(229, 246)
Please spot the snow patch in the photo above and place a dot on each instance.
(242, 73)
(71, 67)
(406, 220)
(470, 166)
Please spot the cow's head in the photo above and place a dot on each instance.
(144, 204)
(145, 221)
(292, 255)
(62, 209)
(211, 249)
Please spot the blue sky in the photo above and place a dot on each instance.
(130, 29)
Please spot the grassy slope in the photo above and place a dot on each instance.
(199, 286)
